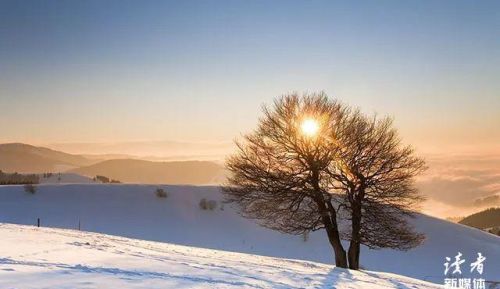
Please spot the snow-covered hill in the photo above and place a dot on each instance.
(53, 258)
(135, 211)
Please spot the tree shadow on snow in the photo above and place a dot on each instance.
(338, 277)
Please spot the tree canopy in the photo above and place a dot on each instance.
(314, 163)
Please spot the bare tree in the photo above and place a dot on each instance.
(295, 178)
(279, 176)
(375, 174)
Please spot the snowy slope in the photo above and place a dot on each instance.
(134, 211)
(55, 258)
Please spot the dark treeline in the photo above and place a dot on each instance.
(18, 179)
(488, 218)
(105, 180)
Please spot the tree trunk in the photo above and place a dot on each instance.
(354, 246)
(340, 253)
(353, 255)
(329, 218)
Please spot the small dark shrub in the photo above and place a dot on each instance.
(212, 205)
(207, 204)
(105, 180)
(102, 179)
(161, 193)
(203, 204)
(30, 188)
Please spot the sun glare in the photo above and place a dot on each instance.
(309, 127)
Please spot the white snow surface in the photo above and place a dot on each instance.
(135, 211)
(56, 258)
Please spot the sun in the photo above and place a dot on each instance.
(309, 127)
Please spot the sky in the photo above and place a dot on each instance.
(199, 71)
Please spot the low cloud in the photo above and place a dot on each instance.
(460, 185)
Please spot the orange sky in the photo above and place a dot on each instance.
(199, 72)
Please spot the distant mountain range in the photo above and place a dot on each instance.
(24, 158)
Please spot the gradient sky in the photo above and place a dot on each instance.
(107, 71)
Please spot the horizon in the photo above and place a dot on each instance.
(454, 185)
